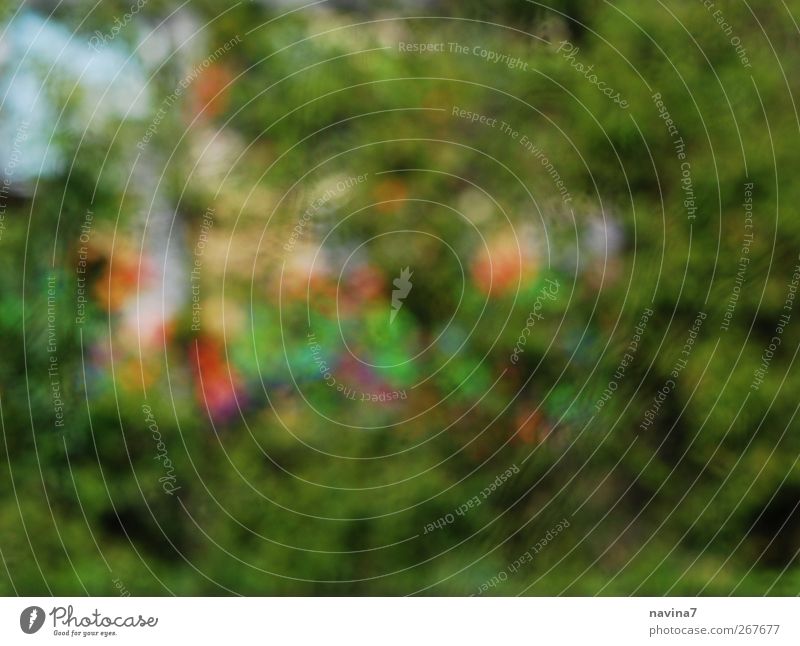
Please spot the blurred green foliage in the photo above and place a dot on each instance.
(702, 502)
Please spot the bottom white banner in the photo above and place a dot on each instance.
(379, 621)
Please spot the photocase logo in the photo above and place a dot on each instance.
(403, 285)
(31, 619)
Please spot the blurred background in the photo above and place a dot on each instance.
(380, 298)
